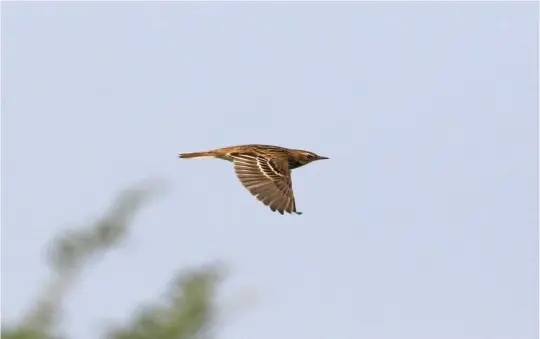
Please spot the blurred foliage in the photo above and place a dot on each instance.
(187, 310)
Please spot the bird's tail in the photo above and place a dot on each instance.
(209, 154)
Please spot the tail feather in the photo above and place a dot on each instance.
(196, 155)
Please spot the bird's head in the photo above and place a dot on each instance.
(305, 157)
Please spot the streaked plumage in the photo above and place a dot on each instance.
(265, 171)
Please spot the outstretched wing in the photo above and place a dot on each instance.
(267, 179)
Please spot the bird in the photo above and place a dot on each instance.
(264, 170)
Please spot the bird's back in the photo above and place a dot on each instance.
(255, 147)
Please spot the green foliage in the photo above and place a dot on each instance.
(187, 310)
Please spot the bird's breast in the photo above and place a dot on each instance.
(293, 163)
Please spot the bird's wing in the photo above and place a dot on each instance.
(269, 180)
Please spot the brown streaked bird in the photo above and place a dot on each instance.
(264, 170)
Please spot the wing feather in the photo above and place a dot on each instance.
(267, 179)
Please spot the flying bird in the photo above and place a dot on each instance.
(265, 171)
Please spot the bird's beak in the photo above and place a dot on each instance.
(322, 158)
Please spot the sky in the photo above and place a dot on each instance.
(422, 225)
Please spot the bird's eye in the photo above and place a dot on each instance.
(309, 156)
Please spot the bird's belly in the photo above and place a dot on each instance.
(225, 157)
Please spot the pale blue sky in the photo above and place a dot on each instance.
(422, 225)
